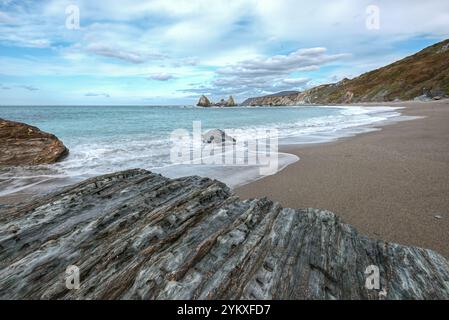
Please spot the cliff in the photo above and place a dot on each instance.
(422, 75)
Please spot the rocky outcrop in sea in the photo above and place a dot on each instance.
(139, 235)
(205, 102)
(230, 102)
(21, 144)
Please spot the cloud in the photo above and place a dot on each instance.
(262, 75)
(124, 55)
(347, 19)
(38, 43)
(93, 94)
(246, 87)
(161, 77)
(6, 19)
(298, 81)
(242, 46)
(26, 87)
(192, 62)
(300, 60)
(29, 88)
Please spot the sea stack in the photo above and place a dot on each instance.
(230, 102)
(21, 145)
(204, 102)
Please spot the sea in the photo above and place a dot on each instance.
(106, 139)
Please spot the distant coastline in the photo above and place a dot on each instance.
(423, 76)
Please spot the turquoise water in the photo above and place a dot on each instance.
(76, 125)
(104, 139)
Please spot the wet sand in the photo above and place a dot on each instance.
(390, 184)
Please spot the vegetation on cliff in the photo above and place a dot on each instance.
(420, 76)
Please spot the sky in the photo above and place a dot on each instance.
(169, 52)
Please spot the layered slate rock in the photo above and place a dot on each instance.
(138, 235)
(21, 144)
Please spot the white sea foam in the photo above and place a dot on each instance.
(89, 157)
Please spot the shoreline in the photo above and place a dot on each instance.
(371, 179)
(390, 183)
(353, 120)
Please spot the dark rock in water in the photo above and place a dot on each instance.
(204, 102)
(230, 102)
(138, 235)
(21, 144)
(217, 136)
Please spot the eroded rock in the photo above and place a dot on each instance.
(21, 144)
(230, 102)
(204, 102)
(138, 235)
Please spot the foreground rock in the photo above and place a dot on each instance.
(138, 235)
(21, 144)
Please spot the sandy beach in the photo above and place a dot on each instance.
(391, 184)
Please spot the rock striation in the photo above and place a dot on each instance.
(21, 144)
(139, 235)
